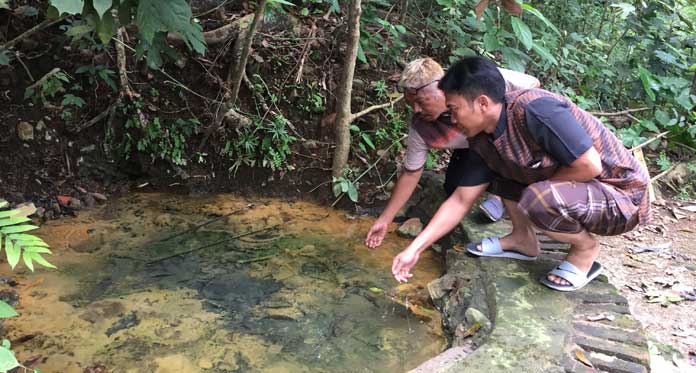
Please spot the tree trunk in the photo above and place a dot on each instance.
(343, 113)
(244, 40)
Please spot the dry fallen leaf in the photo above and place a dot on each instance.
(479, 9)
(458, 248)
(652, 248)
(601, 317)
(512, 7)
(580, 355)
(471, 331)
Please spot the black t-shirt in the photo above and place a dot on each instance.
(549, 122)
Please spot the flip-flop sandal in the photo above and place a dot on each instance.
(573, 275)
(493, 208)
(490, 246)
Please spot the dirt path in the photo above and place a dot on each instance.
(653, 281)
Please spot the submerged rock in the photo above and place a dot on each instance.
(474, 316)
(411, 228)
(125, 322)
(25, 131)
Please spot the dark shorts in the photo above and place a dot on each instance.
(466, 168)
(571, 207)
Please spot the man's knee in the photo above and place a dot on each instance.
(532, 199)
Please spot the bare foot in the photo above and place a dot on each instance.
(581, 256)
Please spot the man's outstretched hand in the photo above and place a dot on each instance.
(376, 234)
(401, 267)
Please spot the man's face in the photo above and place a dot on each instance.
(467, 115)
(427, 101)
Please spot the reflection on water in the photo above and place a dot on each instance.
(163, 283)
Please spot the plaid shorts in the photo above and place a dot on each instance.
(570, 207)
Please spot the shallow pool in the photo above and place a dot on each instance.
(168, 283)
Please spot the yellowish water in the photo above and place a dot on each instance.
(302, 296)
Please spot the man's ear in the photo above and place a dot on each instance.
(482, 102)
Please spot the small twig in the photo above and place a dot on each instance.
(649, 141)
(257, 259)
(305, 52)
(685, 146)
(663, 173)
(618, 113)
(25, 66)
(96, 119)
(46, 23)
(43, 79)
(210, 245)
(198, 226)
(359, 114)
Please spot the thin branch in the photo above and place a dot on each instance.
(43, 79)
(618, 113)
(305, 52)
(46, 23)
(649, 141)
(24, 66)
(106, 113)
(210, 245)
(201, 225)
(359, 114)
(663, 173)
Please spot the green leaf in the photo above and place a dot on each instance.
(6, 342)
(101, 6)
(4, 4)
(645, 77)
(13, 221)
(490, 42)
(13, 253)
(464, 52)
(37, 249)
(662, 117)
(544, 53)
(154, 16)
(375, 290)
(68, 6)
(626, 9)
(106, 28)
(4, 58)
(344, 185)
(649, 125)
(7, 360)
(29, 256)
(78, 30)
(352, 193)
(541, 17)
(361, 54)
(6, 311)
(30, 11)
(18, 229)
(282, 2)
(354, 128)
(367, 140)
(684, 99)
(523, 33)
(3, 203)
(27, 238)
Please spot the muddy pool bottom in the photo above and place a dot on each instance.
(164, 283)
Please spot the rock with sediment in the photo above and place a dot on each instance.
(411, 228)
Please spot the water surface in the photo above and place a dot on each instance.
(167, 283)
